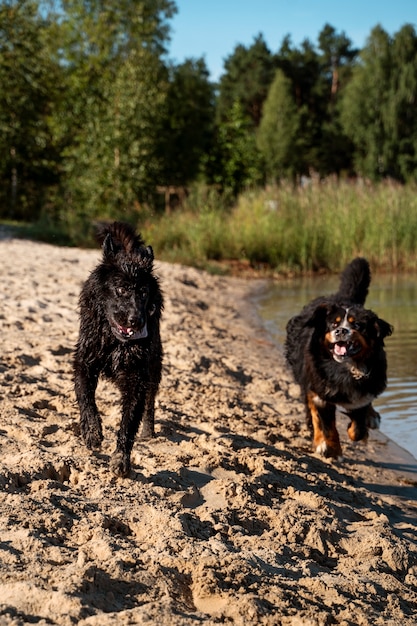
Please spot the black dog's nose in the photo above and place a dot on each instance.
(132, 317)
(135, 321)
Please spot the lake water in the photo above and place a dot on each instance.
(394, 299)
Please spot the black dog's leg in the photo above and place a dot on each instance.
(148, 421)
(85, 380)
(133, 407)
(155, 370)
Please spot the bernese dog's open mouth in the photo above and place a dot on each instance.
(342, 350)
(127, 333)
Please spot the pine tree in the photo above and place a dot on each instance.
(278, 130)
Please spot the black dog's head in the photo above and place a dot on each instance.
(131, 293)
(348, 332)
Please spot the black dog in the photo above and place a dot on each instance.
(120, 310)
(335, 348)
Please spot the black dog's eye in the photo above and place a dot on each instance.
(121, 291)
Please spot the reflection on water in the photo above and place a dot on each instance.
(393, 298)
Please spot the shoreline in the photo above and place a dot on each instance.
(227, 516)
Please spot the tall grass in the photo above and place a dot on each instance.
(287, 229)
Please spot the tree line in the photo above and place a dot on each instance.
(95, 119)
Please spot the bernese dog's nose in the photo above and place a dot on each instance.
(341, 333)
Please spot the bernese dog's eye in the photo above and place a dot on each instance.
(336, 321)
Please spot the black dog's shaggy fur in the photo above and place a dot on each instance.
(335, 348)
(120, 310)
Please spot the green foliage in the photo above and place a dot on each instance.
(29, 84)
(317, 77)
(279, 130)
(235, 162)
(98, 32)
(321, 226)
(337, 56)
(377, 110)
(187, 127)
(248, 74)
(113, 161)
(111, 122)
(94, 118)
(194, 235)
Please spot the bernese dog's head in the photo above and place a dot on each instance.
(348, 332)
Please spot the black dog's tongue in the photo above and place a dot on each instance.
(130, 333)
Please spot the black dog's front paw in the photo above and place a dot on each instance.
(93, 440)
(120, 464)
(147, 432)
(92, 434)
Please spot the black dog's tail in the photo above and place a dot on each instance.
(354, 281)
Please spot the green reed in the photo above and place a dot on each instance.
(321, 226)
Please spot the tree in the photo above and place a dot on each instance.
(29, 79)
(378, 104)
(400, 118)
(235, 162)
(110, 123)
(188, 125)
(334, 150)
(337, 56)
(115, 163)
(247, 77)
(317, 77)
(100, 32)
(278, 134)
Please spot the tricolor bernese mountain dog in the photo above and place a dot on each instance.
(335, 348)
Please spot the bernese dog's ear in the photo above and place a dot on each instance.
(318, 317)
(383, 329)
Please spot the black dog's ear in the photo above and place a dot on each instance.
(146, 257)
(110, 248)
(383, 329)
(149, 250)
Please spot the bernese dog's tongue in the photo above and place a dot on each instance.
(340, 349)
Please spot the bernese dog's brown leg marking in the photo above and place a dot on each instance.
(325, 436)
(356, 432)
(362, 420)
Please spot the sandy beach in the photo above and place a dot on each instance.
(228, 517)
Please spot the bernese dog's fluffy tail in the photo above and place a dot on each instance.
(354, 281)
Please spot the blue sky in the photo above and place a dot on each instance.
(212, 28)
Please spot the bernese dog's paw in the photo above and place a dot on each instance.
(373, 419)
(329, 452)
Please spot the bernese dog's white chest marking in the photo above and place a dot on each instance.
(357, 401)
